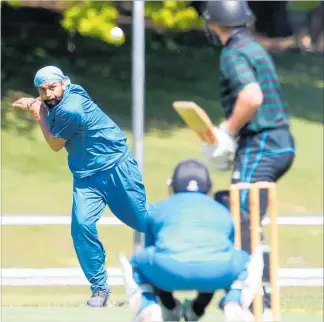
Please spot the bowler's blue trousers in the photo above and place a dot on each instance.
(122, 190)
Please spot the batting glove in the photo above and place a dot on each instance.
(221, 155)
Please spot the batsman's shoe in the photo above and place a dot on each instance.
(172, 315)
(188, 313)
(98, 299)
(253, 283)
(152, 313)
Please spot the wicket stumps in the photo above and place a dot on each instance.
(255, 233)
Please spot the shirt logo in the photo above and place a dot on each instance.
(193, 185)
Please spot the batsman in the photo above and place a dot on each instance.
(256, 132)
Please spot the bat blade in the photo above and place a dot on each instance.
(196, 119)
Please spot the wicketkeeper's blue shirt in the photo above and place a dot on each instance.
(190, 227)
(93, 141)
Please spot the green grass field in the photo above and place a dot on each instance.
(35, 165)
(36, 180)
(109, 315)
(294, 300)
(166, 142)
(294, 251)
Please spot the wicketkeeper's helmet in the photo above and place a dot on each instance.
(228, 13)
(191, 176)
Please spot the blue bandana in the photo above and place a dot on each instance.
(49, 74)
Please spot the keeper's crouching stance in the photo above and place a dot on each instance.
(189, 247)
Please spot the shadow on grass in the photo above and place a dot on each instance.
(185, 68)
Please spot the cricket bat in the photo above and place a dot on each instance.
(196, 119)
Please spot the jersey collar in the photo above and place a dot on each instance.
(237, 35)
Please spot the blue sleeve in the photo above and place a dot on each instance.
(149, 239)
(68, 119)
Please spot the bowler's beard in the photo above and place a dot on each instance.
(52, 103)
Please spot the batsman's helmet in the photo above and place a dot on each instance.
(191, 176)
(228, 13)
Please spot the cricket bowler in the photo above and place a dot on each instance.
(189, 246)
(257, 128)
(105, 173)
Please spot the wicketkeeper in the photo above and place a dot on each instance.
(256, 132)
(105, 172)
(189, 247)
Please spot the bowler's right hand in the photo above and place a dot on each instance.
(24, 103)
(31, 104)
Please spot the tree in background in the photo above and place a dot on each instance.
(97, 18)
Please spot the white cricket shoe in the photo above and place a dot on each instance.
(248, 316)
(152, 313)
(233, 312)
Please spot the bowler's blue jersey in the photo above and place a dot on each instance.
(191, 226)
(93, 141)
